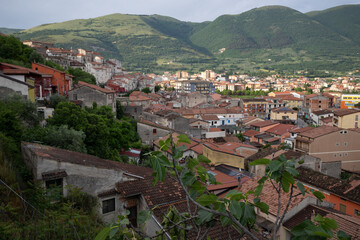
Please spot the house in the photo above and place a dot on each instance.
(281, 131)
(315, 102)
(89, 93)
(203, 87)
(249, 135)
(61, 82)
(317, 116)
(195, 98)
(344, 194)
(346, 118)
(283, 114)
(292, 101)
(9, 85)
(40, 81)
(119, 187)
(331, 145)
(293, 134)
(150, 132)
(254, 107)
(232, 154)
(262, 126)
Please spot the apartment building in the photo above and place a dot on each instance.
(331, 144)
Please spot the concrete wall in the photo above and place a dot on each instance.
(342, 145)
(287, 115)
(134, 111)
(217, 157)
(89, 179)
(349, 121)
(9, 87)
(88, 96)
(147, 135)
(215, 134)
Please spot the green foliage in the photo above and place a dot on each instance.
(80, 75)
(55, 99)
(146, 90)
(240, 136)
(322, 230)
(104, 135)
(61, 137)
(157, 88)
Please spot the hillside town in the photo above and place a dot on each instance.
(232, 120)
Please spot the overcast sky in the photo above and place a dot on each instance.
(31, 13)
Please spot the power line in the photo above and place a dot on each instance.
(21, 197)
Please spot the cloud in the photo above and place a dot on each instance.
(26, 14)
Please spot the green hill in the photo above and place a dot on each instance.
(9, 31)
(344, 20)
(267, 28)
(136, 40)
(273, 37)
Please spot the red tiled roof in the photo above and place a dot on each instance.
(104, 90)
(268, 194)
(209, 117)
(63, 155)
(281, 129)
(263, 123)
(349, 189)
(250, 133)
(319, 131)
(300, 130)
(214, 130)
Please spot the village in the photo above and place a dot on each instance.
(314, 121)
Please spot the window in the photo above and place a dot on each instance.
(345, 154)
(154, 131)
(340, 155)
(54, 188)
(357, 118)
(342, 208)
(228, 121)
(334, 155)
(345, 143)
(108, 205)
(337, 144)
(357, 213)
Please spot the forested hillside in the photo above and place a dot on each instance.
(273, 37)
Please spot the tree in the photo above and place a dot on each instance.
(236, 208)
(157, 88)
(240, 136)
(146, 90)
(80, 75)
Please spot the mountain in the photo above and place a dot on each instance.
(273, 37)
(131, 38)
(267, 28)
(344, 20)
(9, 31)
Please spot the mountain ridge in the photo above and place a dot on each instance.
(144, 41)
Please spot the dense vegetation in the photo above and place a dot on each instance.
(29, 214)
(276, 38)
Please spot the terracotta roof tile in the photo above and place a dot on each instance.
(104, 90)
(349, 189)
(319, 131)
